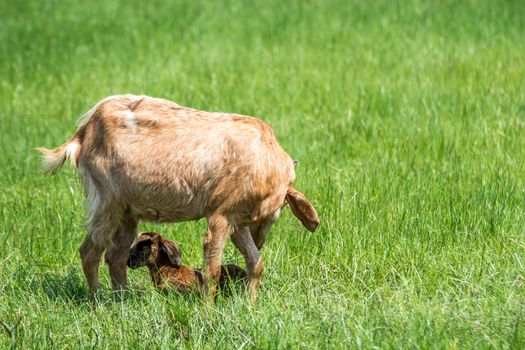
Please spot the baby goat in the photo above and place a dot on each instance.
(162, 257)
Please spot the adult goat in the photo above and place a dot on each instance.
(144, 158)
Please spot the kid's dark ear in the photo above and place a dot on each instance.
(172, 250)
(141, 242)
(145, 239)
(302, 209)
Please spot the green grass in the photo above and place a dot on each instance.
(408, 118)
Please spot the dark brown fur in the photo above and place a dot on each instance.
(162, 257)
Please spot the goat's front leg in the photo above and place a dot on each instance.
(243, 240)
(117, 255)
(260, 231)
(218, 231)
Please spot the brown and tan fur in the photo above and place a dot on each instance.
(162, 257)
(144, 158)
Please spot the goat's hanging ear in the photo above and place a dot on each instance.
(172, 250)
(302, 209)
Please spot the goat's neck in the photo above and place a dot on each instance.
(157, 272)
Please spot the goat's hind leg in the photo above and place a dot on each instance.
(118, 252)
(102, 223)
(90, 254)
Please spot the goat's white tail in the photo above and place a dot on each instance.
(53, 159)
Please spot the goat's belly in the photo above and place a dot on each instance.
(165, 205)
(160, 215)
(157, 213)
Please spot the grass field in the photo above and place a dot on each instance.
(408, 118)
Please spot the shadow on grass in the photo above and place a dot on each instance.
(70, 287)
